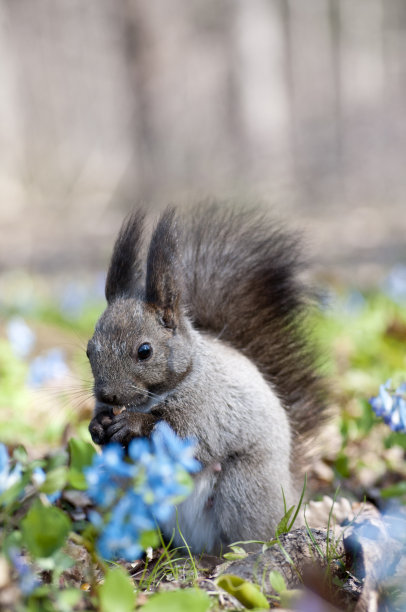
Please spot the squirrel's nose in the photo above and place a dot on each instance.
(106, 397)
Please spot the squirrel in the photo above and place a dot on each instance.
(206, 331)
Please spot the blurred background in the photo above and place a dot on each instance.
(108, 103)
(297, 105)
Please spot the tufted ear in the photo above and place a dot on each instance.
(163, 270)
(125, 268)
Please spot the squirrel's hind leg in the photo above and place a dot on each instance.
(248, 501)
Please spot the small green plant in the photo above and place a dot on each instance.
(131, 492)
(248, 593)
(37, 403)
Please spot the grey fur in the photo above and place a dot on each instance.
(223, 312)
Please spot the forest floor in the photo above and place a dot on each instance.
(46, 400)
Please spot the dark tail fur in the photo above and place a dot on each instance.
(240, 283)
(241, 280)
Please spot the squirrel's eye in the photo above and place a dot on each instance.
(144, 351)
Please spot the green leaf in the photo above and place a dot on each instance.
(68, 599)
(277, 581)
(117, 592)
(299, 505)
(44, 530)
(57, 459)
(268, 544)
(239, 550)
(12, 540)
(396, 439)
(47, 564)
(185, 600)
(55, 480)
(149, 539)
(284, 522)
(341, 464)
(41, 600)
(246, 592)
(20, 454)
(81, 455)
(396, 490)
(237, 553)
(63, 561)
(77, 479)
(13, 493)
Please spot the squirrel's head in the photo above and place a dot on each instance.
(141, 345)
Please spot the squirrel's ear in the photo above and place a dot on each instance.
(125, 269)
(162, 284)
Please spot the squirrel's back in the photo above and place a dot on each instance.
(242, 285)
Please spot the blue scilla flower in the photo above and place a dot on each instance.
(164, 459)
(8, 477)
(38, 476)
(162, 487)
(20, 336)
(391, 406)
(108, 475)
(27, 580)
(166, 442)
(134, 492)
(382, 403)
(53, 497)
(119, 540)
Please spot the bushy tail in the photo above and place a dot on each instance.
(241, 284)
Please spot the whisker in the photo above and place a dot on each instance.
(65, 395)
(148, 393)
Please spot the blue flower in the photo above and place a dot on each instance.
(135, 492)
(27, 580)
(391, 406)
(117, 541)
(8, 477)
(120, 536)
(46, 368)
(382, 404)
(166, 442)
(139, 450)
(53, 497)
(38, 476)
(113, 460)
(108, 474)
(20, 336)
(101, 488)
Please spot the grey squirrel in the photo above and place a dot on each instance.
(205, 331)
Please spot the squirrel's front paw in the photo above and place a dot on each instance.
(98, 427)
(128, 425)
